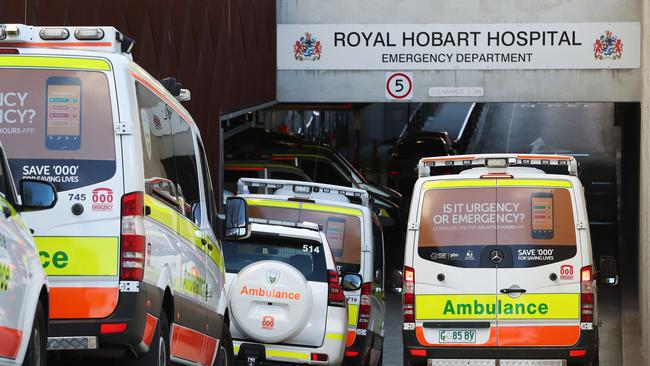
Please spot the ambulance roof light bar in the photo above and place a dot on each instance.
(106, 39)
(300, 225)
(302, 188)
(497, 161)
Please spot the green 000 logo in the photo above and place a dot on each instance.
(5, 275)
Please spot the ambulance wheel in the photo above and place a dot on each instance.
(225, 353)
(158, 354)
(36, 354)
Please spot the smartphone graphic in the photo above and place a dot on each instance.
(63, 113)
(541, 207)
(335, 232)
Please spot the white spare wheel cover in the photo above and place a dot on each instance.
(270, 301)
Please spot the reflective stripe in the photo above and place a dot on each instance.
(460, 183)
(82, 302)
(175, 221)
(469, 307)
(286, 354)
(467, 183)
(353, 315)
(332, 209)
(279, 353)
(10, 342)
(272, 203)
(55, 62)
(78, 256)
(535, 183)
(335, 336)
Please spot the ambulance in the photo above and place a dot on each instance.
(132, 247)
(498, 266)
(285, 299)
(355, 237)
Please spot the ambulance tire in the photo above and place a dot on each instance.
(36, 354)
(225, 353)
(158, 354)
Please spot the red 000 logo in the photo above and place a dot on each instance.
(268, 322)
(102, 199)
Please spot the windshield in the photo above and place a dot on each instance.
(307, 256)
(532, 226)
(343, 231)
(57, 126)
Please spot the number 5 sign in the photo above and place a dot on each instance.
(399, 85)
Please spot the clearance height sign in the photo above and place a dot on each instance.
(526, 46)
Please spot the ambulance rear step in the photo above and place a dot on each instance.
(447, 362)
(71, 343)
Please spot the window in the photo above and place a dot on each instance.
(285, 175)
(187, 177)
(71, 147)
(211, 204)
(323, 171)
(157, 146)
(305, 255)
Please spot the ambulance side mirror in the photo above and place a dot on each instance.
(351, 282)
(236, 220)
(607, 272)
(37, 195)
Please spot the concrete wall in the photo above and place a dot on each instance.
(499, 85)
(644, 219)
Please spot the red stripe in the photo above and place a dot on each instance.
(162, 96)
(191, 345)
(9, 342)
(149, 329)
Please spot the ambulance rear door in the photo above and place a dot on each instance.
(538, 276)
(455, 281)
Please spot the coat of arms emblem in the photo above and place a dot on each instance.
(308, 47)
(273, 277)
(608, 46)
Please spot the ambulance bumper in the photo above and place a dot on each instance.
(131, 310)
(588, 342)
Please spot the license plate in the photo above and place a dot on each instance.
(457, 336)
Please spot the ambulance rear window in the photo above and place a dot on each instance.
(57, 126)
(307, 256)
(343, 232)
(531, 226)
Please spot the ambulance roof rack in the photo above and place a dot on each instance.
(299, 225)
(302, 189)
(497, 161)
(103, 39)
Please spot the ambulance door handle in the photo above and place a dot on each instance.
(513, 290)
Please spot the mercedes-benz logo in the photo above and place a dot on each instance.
(496, 256)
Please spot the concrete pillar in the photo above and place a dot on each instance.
(644, 209)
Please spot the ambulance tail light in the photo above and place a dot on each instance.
(335, 296)
(364, 306)
(408, 295)
(586, 294)
(132, 250)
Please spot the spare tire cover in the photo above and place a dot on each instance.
(270, 301)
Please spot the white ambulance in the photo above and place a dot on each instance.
(355, 236)
(285, 300)
(130, 247)
(498, 264)
(24, 294)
